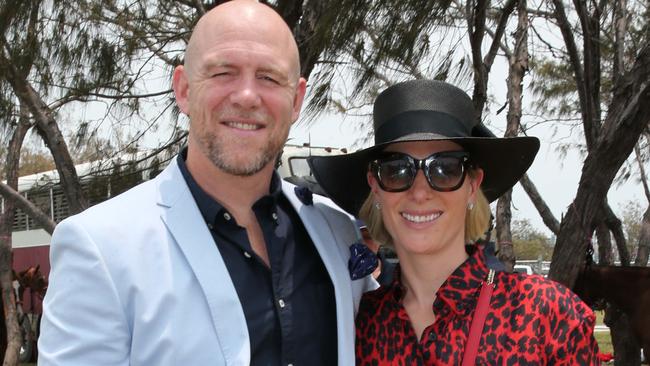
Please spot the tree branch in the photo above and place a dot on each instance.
(615, 225)
(542, 208)
(28, 207)
(591, 62)
(576, 63)
(508, 8)
(620, 19)
(644, 177)
(644, 240)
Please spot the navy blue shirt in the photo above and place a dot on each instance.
(289, 308)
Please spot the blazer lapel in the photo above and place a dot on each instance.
(186, 224)
(327, 246)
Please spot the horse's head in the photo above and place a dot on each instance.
(33, 279)
(588, 289)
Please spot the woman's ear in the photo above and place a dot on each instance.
(475, 180)
(372, 182)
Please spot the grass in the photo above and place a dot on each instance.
(604, 342)
(604, 339)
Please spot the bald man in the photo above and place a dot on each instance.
(216, 261)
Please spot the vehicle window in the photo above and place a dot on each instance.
(298, 166)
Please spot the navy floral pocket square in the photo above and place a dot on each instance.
(304, 195)
(362, 261)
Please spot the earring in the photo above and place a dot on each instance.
(470, 206)
(377, 205)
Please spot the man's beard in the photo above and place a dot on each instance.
(237, 157)
(218, 150)
(215, 150)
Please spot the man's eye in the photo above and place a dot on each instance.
(268, 78)
(223, 73)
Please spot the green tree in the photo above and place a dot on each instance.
(631, 216)
(530, 243)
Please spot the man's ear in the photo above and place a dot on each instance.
(301, 89)
(181, 89)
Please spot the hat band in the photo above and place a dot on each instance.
(417, 122)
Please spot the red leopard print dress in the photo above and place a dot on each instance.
(532, 321)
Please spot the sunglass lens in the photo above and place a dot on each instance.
(446, 172)
(395, 174)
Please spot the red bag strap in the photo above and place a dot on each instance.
(476, 329)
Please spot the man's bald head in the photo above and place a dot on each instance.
(242, 19)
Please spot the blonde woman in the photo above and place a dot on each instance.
(425, 188)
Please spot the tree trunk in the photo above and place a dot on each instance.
(504, 235)
(518, 62)
(604, 245)
(628, 115)
(615, 225)
(14, 339)
(304, 30)
(626, 347)
(476, 15)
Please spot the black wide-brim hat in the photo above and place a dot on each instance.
(425, 110)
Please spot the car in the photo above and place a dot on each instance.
(523, 268)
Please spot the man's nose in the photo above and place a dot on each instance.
(245, 93)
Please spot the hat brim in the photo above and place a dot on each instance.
(503, 160)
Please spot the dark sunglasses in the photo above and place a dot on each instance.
(445, 171)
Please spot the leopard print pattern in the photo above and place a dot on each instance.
(532, 321)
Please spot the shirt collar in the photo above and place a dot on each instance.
(459, 292)
(209, 207)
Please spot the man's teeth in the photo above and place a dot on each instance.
(421, 218)
(243, 126)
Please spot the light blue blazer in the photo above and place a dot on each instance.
(138, 280)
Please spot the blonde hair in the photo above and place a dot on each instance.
(371, 215)
(476, 221)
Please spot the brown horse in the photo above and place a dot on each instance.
(29, 291)
(33, 280)
(626, 287)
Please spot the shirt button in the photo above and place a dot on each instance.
(274, 216)
(247, 255)
(281, 303)
(289, 364)
(432, 336)
(210, 226)
(226, 216)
